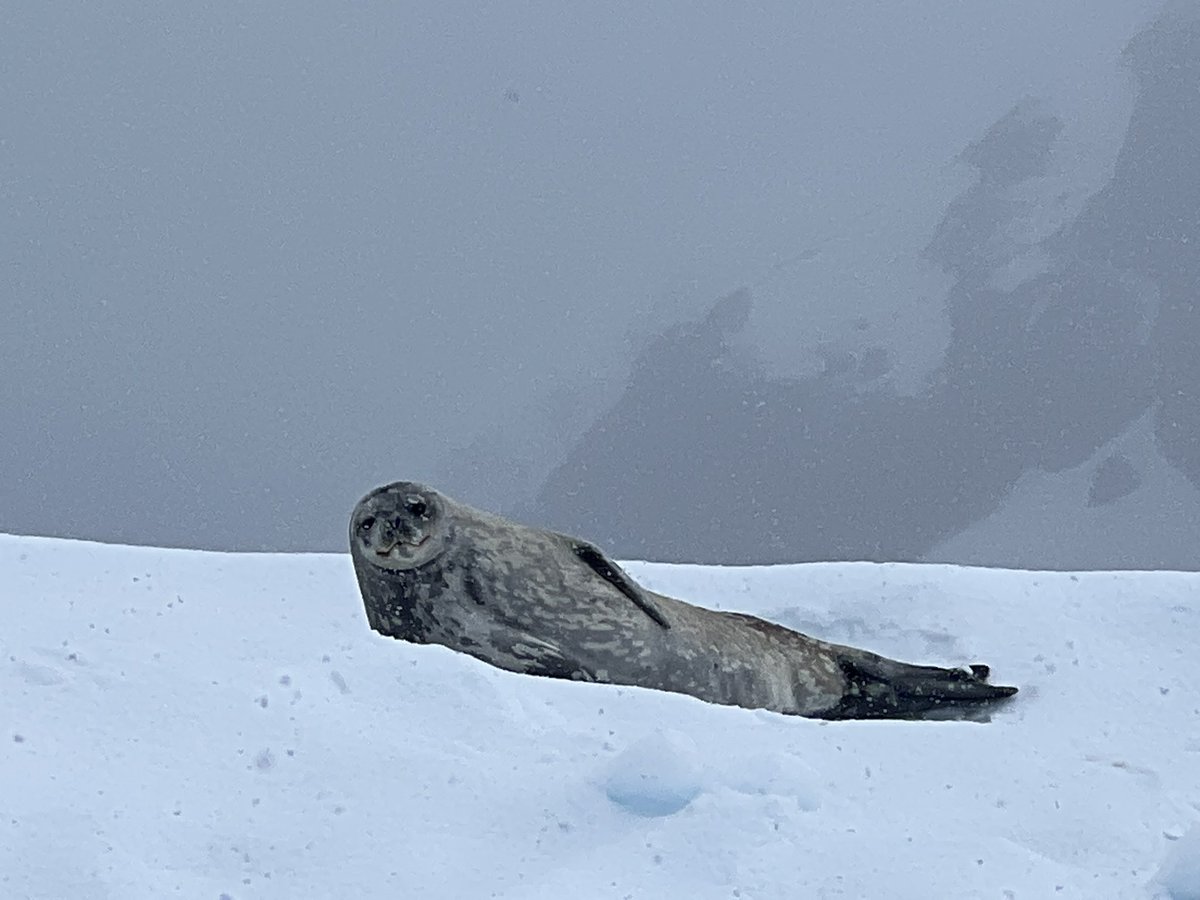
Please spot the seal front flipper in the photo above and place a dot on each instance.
(614, 575)
(534, 656)
(882, 688)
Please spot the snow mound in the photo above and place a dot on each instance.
(658, 775)
(1180, 874)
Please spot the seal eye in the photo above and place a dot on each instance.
(416, 506)
(366, 524)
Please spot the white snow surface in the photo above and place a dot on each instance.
(177, 723)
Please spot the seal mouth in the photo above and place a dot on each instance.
(395, 550)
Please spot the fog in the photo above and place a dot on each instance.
(700, 282)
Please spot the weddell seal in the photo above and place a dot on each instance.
(435, 571)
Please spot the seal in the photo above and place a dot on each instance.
(435, 571)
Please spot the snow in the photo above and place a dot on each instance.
(1181, 873)
(177, 723)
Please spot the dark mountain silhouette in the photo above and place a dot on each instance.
(704, 457)
(1149, 217)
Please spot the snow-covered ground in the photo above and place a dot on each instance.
(175, 723)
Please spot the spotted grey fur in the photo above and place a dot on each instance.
(435, 571)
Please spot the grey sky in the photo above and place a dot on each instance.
(255, 258)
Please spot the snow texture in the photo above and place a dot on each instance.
(176, 723)
(1180, 877)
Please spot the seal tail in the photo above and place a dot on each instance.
(881, 688)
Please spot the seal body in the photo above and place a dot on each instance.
(432, 570)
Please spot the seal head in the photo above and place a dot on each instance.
(399, 526)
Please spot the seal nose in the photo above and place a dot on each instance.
(384, 535)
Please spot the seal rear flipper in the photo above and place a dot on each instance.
(881, 688)
(614, 575)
